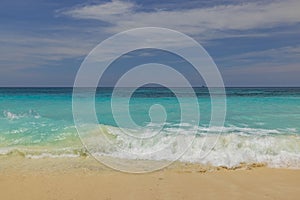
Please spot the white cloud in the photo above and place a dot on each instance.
(272, 67)
(22, 51)
(273, 57)
(125, 15)
(102, 11)
(262, 74)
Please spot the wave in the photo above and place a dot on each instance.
(279, 148)
(274, 148)
(12, 116)
(44, 153)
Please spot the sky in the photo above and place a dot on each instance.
(253, 43)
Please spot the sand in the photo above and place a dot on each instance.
(68, 179)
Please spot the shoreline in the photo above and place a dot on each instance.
(85, 178)
(63, 164)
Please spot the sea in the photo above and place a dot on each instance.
(262, 125)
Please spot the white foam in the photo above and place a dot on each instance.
(235, 146)
(50, 155)
(13, 116)
(42, 153)
(276, 148)
(10, 115)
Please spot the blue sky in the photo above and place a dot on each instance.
(254, 43)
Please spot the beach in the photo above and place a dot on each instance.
(151, 100)
(85, 178)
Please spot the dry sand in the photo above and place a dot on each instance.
(68, 179)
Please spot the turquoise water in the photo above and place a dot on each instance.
(262, 124)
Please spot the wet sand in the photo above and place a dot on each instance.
(78, 178)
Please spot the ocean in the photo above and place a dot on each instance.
(262, 125)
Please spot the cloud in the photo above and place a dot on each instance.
(123, 15)
(273, 57)
(55, 45)
(262, 74)
(102, 11)
(24, 51)
(272, 67)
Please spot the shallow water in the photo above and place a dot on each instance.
(262, 125)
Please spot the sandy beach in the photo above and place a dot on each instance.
(78, 178)
(150, 100)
